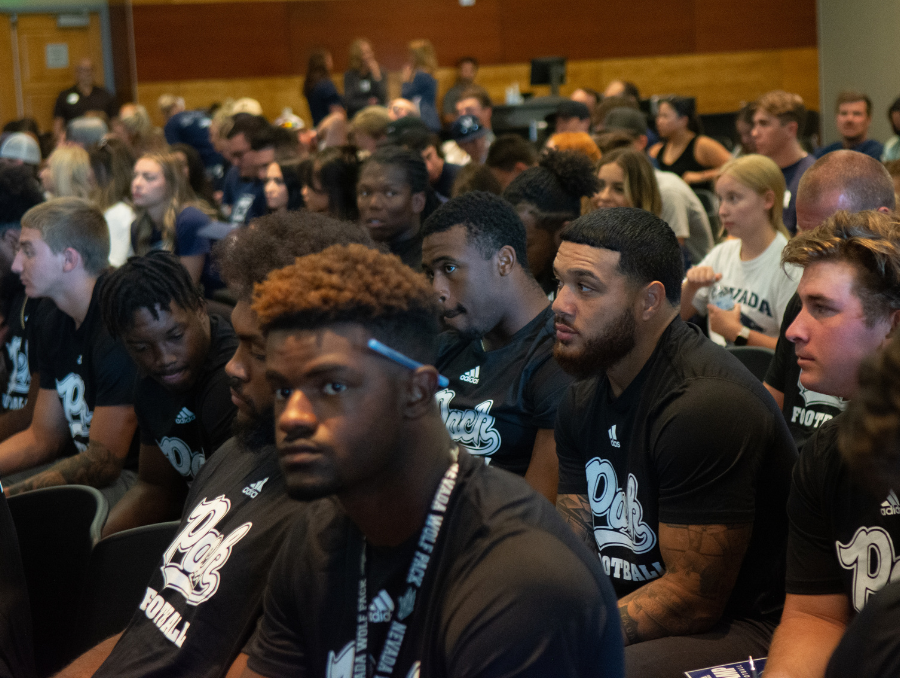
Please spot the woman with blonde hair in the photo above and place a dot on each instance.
(740, 285)
(113, 165)
(364, 83)
(68, 174)
(419, 85)
(627, 180)
(169, 215)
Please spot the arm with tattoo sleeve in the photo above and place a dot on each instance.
(702, 564)
(99, 465)
(576, 511)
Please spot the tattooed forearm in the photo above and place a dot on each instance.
(576, 510)
(96, 466)
(702, 564)
(629, 627)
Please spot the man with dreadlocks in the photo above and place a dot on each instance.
(182, 403)
(417, 558)
(201, 606)
(86, 379)
(505, 385)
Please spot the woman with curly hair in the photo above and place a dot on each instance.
(548, 197)
(169, 215)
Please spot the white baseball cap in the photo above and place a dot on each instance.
(20, 146)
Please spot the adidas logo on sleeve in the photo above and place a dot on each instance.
(471, 376)
(185, 416)
(381, 608)
(891, 505)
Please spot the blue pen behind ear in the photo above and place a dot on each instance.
(401, 359)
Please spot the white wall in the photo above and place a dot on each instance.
(858, 50)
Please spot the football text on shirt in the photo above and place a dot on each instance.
(806, 416)
(191, 564)
(618, 521)
(72, 392)
(473, 428)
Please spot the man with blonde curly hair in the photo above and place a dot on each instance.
(417, 559)
(843, 542)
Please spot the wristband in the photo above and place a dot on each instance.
(742, 337)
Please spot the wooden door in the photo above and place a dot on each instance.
(43, 76)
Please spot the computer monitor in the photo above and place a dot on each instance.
(549, 71)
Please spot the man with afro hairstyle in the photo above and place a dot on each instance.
(409, 560)
(504, 383)
(199, 608)
(548, 197)
(184, 411)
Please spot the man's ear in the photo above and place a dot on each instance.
(420, 390)
(418, 202)
(71, 259)
(895, 327)
(652, 298)
(506, 260)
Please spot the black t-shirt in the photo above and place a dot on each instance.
(693, 440)
(497, 400)
(16, 658)
(20, 350)
(188, 427)
(804, 410)
(510, 591)
(409, 251)
(86, 368)
(202, 604)
(871, 646)
(841, 536)
(73, 104)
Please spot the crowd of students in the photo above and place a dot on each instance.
(214, 320)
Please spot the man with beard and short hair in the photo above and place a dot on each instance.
(671, 427)
(841, 180)
(184, 412)
(504, 384)
(413, 553)
(238, 499)
(251, 145)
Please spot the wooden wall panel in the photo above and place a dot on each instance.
(8, 109)
(721, 82)
(196, 40)
(221, 40)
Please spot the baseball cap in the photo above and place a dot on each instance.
(467, 128)
(627, 119)
(405, 124)
(20, 146)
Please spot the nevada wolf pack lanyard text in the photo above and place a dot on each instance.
(407, 602)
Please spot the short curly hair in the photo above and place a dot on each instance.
(490, 223)
(869, 434)
(352, 284)
(870, 242)
(275, 241)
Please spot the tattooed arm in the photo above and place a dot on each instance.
(702, 564)
(112, 429)
(576, 511)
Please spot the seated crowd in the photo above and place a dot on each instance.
(428, 401)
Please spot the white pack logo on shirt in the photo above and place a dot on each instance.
(181, 456)
(20, 377)
(472, 428)
(617, 515)
(71, 392)
(191, 564)
(870, 554)
(340, 664)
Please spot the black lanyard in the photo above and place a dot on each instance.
(407, 602)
